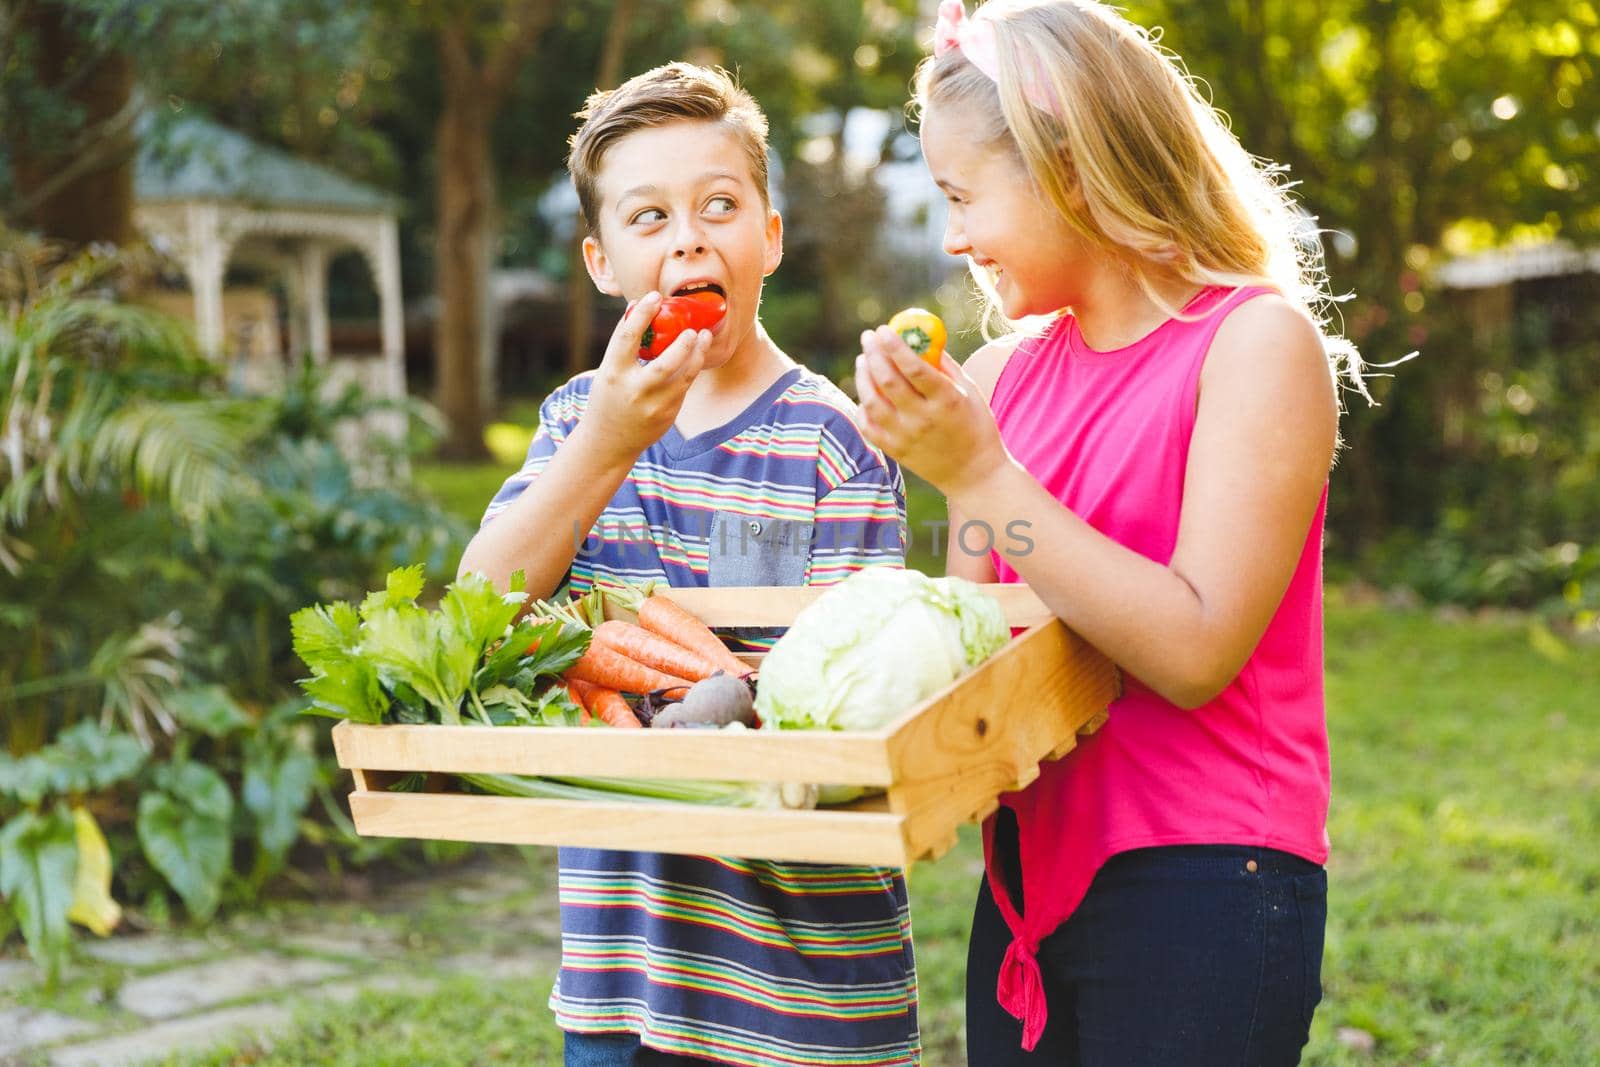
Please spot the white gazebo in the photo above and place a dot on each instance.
(212, 196)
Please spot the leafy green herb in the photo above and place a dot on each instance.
(392, 660)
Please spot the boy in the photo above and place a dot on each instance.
(722, 462)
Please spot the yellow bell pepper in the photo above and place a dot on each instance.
(922, 331)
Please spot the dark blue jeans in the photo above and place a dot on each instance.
(620, 1050)
(1199, 956)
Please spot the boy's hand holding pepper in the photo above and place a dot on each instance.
(632, 403)
(934, 421)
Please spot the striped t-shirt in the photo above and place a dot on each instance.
(738, 961)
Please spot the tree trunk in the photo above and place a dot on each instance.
(580, 291)
(474, 90)
(1380, 262)
(834, 316)
(465, 231)
(80, 188)
(580, 308)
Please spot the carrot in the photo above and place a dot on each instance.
(663, 616)
(653, 650)
(613, 710)
(607, 667)
(579, 692)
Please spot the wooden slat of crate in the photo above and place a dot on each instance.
(819, 757)
(823, 836)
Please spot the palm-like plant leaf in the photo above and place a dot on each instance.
(70, 356)
(139, 672)
(189, 452)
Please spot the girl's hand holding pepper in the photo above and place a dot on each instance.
(934, 421)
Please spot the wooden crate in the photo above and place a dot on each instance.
(942, 763)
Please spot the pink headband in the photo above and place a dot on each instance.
(974, 39)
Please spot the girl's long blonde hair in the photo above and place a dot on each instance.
(1135, 158)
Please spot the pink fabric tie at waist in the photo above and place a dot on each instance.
(1020, 988)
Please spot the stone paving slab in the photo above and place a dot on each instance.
(357, 943)
(15, 973)
(187, 989)
(533, 964)
(24, 1028)
(492, 888)
(196, 1033)
(532, 922)
(148, 949)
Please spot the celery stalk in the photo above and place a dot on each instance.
(649, 790)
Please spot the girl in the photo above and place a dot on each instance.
(1157, 896)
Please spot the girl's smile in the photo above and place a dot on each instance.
(998, 217)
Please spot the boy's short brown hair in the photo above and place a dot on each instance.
(671, 93)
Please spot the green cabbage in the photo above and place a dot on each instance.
(874, 646)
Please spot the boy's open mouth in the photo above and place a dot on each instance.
(700, 287)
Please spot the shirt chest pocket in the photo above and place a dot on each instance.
(743, 550)
(757, 551)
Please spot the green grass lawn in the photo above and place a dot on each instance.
(460, 1023)
(1466, 835)
(465, 489)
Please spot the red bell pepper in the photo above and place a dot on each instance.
(692, 311)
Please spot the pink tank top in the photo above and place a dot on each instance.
(1107, 433)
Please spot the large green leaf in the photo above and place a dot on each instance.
(97, 758)
(83, 759)
(38, 866)
(209, 709)
(26, 779)
(198, 786)
(278, 779)
(184, 828)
